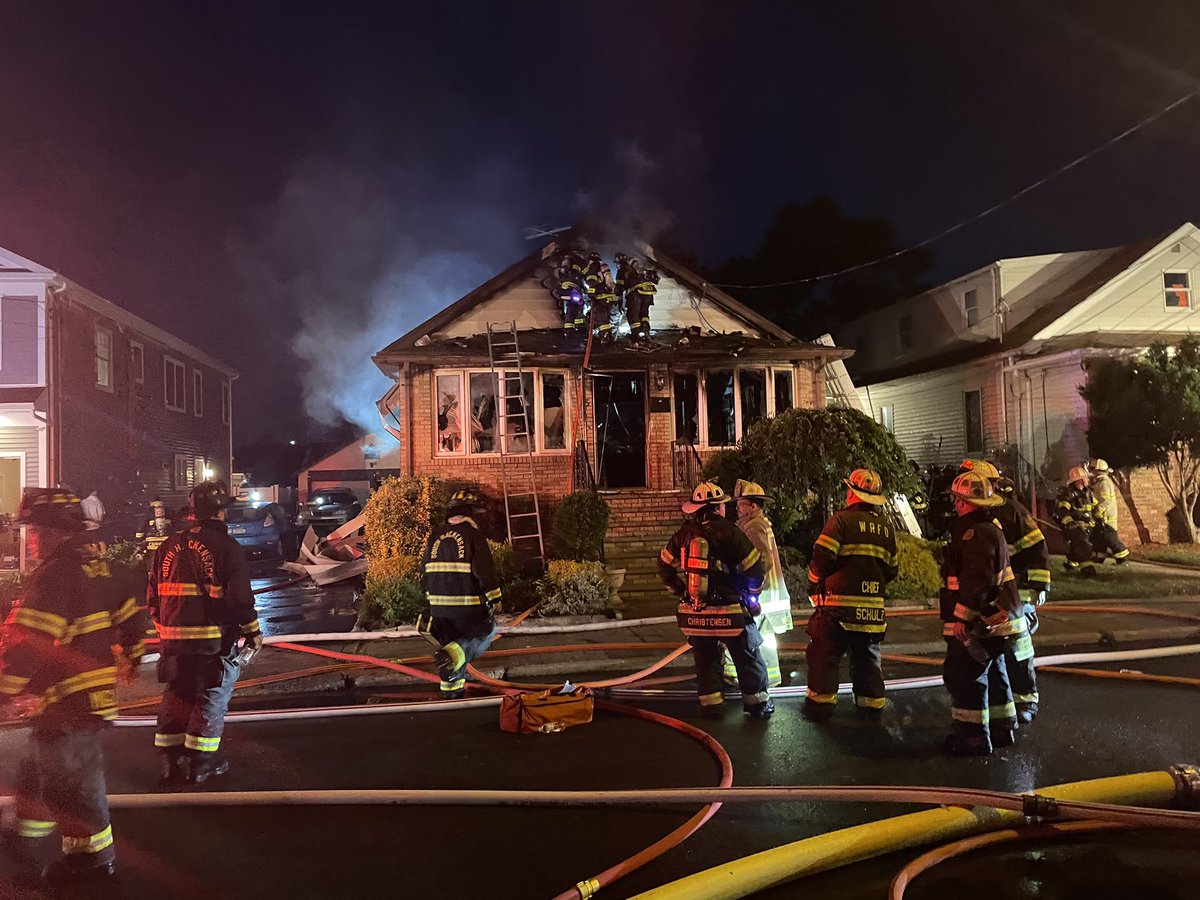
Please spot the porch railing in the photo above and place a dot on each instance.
(686, 464)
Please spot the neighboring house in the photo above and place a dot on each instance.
(991, 363)
(93, 397)
(359, 466)
(649, 414)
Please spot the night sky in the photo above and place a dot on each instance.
(293, 185)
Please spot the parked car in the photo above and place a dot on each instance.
(257, 527)
(326, 510)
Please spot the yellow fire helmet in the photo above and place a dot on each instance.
(867, 486)
(749, 490)
(981, 467)
(1099, 466)
(975, 489)
(1078, 473)
(707, 493)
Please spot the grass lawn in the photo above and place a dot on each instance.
(1119, 582)
(1182, 554)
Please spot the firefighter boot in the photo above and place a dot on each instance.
(817, 712)
(176, 769)
(967, 742)
(1026, 712)
(204, 769)
(760, 710)
(68, 878)
(1003, 736)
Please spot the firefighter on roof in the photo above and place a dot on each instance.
(75, 632)
(981, 614)
(639, 297)
(722, 575)
(775, 601)
(604, 298)
(199, 595)
(463, 592)
(1104, 532)
(1074, 511)
(852, 562)
(568, 290)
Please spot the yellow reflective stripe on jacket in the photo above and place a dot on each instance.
(1011, 627)
(493, 594)
(94, 844)
(1042, 576)
(38, 620)
(829, 542)
(1029, 540)
(85, 681)
(453, 599)
(186, 589)
(813, 578)
(850, 600)
(1005, 575)
(872, 550)
(251, 627)
(127, 611)
(96, 621)
(965, 613)
(188, 632)
(952, 582)
(667, 556)
(35, 828)
(456, 567)
(11, 685)
(751, 560)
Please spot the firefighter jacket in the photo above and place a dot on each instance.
(775, 600)
(1105, 493)
(712, 567)
(977, 577)
(1026, 544)
(852, 562)
(77, 615)
(199, 591)
(457, 572)
(1075, 507)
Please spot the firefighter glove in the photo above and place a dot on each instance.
(996, 620)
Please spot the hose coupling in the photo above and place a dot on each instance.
(1187, 786)
(588, 889)
(1037, 807)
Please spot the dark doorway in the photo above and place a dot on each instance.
(619, 401)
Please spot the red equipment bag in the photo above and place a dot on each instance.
(546, 712)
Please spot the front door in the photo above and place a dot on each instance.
(619, 405)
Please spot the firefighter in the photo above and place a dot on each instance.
(981, 614)
(567, 288)
(1031, 566)
(604, 298)
(460, 584)
(853, 560)
(722, 575)
(1074, 511)
(639, 297)
(775, 601)
(1104, 532)
(199, 596)
(156, 529)
(75, 632)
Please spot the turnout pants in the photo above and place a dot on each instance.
(60, 784)
(743, 649)
(769, 651)
(1105, 542)
(828, 641)
(191, 717)
(1079, 550)
(980, 697)
(1018, 662)
(463, 642)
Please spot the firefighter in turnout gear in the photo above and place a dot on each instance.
(604, 298)
(568, 290)
(463, 592)
(639, 297)
(1031, 566)
(852, 562)
(200, 598)
(722, 575)
(982, 614)
(1074, 511)
(1104, 532)
(775, 601)
(75, 632)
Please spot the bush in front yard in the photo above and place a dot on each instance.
(572, 588)
(402, 512)
(518, 577)
(390, 603)
(388, 567)
(920, 575)
(580, 523)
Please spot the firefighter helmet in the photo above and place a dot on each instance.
(975, 489)
(1098, 466)
(51, 508)
(707, 493)
(208, 498)
(749, 490)
(981, 467)
(1004, 485)
(1078, 473)
(867, 486)
(464, 498)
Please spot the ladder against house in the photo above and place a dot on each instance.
(517, 442)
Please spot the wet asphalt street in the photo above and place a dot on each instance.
(300, 608)
(1089, 728)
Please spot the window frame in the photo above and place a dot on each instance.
(464, 374)
(187, 480)
(972, 308)
(137, 374)
(226, 402)
(198, 393)
(701, 374)
(99, 330)
(170, 365)
(967, 435)
(887, 417)
(1187, 275)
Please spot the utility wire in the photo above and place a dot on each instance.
(970, 220)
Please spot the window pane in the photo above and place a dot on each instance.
(449, 414)
(518, 427)
(971, 307)
(687, 408)
(483, 413)
(718, 388)
(783, 392)
(752, 384)
(1177, 288)
(553, 411)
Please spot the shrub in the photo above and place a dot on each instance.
(920, 576)
(402, 512)
(130, 554)
(796, 579)
(518, 577)
(572, 588)
(792, 556)
(404, 566)
(580, 523)
(390, 602)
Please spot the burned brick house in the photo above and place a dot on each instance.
(635, 415)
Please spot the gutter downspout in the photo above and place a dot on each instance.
(54, 297)
(409, 454)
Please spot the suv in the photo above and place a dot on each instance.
(329, 509)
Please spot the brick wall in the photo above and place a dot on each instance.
(1143, 507)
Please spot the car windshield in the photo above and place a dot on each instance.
(331, 499)
(239, 513)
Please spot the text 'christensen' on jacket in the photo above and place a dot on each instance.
(1030, 557)
(199, 591)
(719, 567)
(852, 562)
(75, 613)
(977, 578)
(457, 571)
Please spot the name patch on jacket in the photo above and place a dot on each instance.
(712, 621)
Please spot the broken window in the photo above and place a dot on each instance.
(752, 389)
(518, 428)
(784, 390)
(687, 408)
(719, 397)
(449, 414)
(554, 411)
(483, 412)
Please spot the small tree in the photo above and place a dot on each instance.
(580, 523)
(1145, 411)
